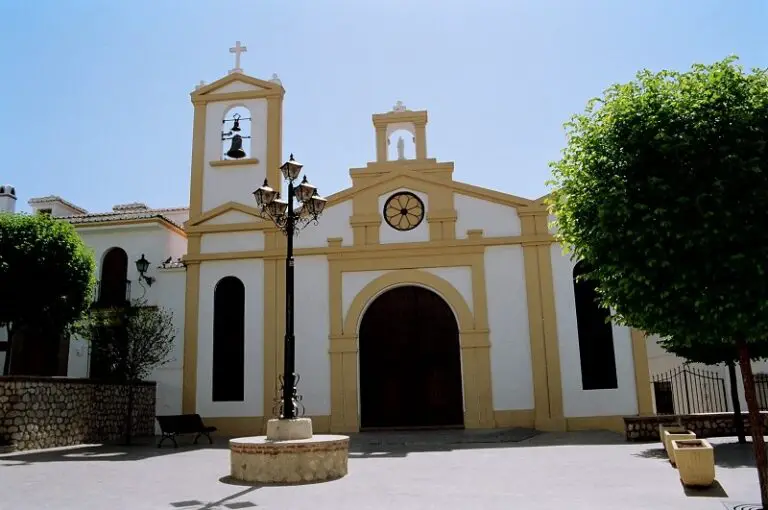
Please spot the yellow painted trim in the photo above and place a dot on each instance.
(191, 320)
(404, 176)
(642, 373)
(198, 156)
(223, 209)
(207, 93)
(613, 423)
(473, 244)
(140, 221)
(474, 342)
(523, 418)
(545, 352)
(234, 162)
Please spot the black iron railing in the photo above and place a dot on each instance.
(686, 390)
(761, 388)
(112, 293)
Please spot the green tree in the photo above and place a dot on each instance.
(46, 273)
(131, 342)
(662, 190)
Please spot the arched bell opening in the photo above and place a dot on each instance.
(401, 144)
(236, 133)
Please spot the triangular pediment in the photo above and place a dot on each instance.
(416, 180)
(227, 213)
(237, 82)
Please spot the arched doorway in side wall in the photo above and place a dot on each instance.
(410, 362)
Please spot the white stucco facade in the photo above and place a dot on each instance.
(251, 273)
(481, 251)
(578, 402)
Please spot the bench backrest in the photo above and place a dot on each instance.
(181, 423)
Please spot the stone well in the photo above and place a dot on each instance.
(289, 453)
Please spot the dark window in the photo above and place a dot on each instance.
(228, 381)
(45, 211)
(113, 287)
(598, 362)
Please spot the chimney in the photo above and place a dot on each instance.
(7, 198)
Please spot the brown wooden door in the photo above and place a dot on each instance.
(410, 362)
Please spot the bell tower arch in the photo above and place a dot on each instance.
(236, 138)
(400, 120)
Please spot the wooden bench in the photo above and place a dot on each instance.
(179, 424)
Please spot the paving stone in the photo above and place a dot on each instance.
(589, 471)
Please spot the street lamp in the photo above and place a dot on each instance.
(290, 219)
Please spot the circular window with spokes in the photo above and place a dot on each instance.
(403, 211)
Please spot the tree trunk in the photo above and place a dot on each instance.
(755, 419)
(129, 415)
(738, 419)
(7, 361)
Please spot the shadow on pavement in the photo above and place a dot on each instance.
(227, 502)
(715, 491)
(143, 448)
(727, 455)
(363, 445)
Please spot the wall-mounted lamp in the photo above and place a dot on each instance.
(142, 265)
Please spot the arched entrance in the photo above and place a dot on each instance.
(410, 362)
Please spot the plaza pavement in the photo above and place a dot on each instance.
(573, 471)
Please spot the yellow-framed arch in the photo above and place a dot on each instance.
(474, 343)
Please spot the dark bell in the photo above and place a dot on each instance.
(236, 150)
(236, 127)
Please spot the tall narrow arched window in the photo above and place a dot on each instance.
(113, 286)
(228, 380)
(598, 361)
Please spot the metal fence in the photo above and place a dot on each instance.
(686, 390)
(761, 388)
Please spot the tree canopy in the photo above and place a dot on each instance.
(662, 189)
(46, 272)
(712, 352)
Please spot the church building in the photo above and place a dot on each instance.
(421, 301)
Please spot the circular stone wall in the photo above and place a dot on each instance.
(319, 458)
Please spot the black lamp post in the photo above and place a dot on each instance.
(290, 221)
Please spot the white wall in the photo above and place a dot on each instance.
(388, 234)
(234, 183)
(312, 327)
(157, 244)
(334, 222)
(511, 367)
(495, 220)
(576, 401)
(226, 242)
(170, 295)
(251, 273)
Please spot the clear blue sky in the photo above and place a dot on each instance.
(94, 95)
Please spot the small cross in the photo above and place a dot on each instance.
(201, 84)
(237, 50)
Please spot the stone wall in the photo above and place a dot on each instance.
(44, 412)
(646, 428)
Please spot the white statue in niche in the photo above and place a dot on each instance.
(400, 148)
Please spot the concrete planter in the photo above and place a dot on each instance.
(675, 435)
(695, 460)
(676, 429)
